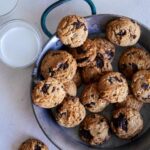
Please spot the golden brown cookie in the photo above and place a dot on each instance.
(126, 123)
(70, 88)
(70, 112)
(94, 129)
(58, 64)
(85, 54)
(48, 93)
(130, 102)
(91, 99)
(105, 48)
(72, 30)
(123, 32)
(141, 85)
(33, 144)
(132, 60)
(96, 69)
(113, 87)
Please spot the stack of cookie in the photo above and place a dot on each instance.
(88, 61)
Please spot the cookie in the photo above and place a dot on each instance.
(91, 99)
(113, 87)
(97, 68)
(70, 88)
(48, 93)
(141, 86)
(130, 102)
(105, 48)
(85, 54)
(70, 112)
(77, 78)
(123, 32)
(126, 123)
(72, 31)
(132, 60)
(94, 129)
(33, 144)
(58, 64)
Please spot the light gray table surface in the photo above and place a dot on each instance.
(17, 121)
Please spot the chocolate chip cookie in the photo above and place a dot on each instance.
(105, 48)
(96, 69)
(70, 112)
(48, 93)
(126, 123)
(85, 54)
(130, 102)
(123, 32)
(94, 129)
(113, 87)
(141, 85)
(72, 30)
(91, 99)
(132, 60)
(33, 144)
(70, 88)
(58, 64)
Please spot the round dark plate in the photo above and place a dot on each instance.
(67, 139)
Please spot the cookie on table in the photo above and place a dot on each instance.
(94, 129)
(77, 78)
(48, 93)
(132, 60)
(113, 87)
(72, 31)
(91, 99)
(105, 48)
(97, 68)
(141, 85)
(84, 54)
(130, 102)
(33, 144)
(123, 32)
(70, 88)
(70, 112)
(58, 64)
(126, 123)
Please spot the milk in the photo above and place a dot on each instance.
(19, 46)
(6, 6)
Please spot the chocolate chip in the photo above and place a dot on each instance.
(86, 134)
(78, 24)
(110, 54)
(80, 50)
(134, 36)
(145, 86)
(120, 122)
(134, 67)
(99, 62)
(37, 147)
(45, 88)
(53, 89)
(122, 33)
(55, 54)
(81, 60)
(51, 72)
(114, 79)
(90, 104)
(63, 65)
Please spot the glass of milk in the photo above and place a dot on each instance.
(7, 6)
(20, 43)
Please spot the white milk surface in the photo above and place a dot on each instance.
(19, 46)
(6, 6)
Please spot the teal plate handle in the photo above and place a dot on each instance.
(56, 4)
